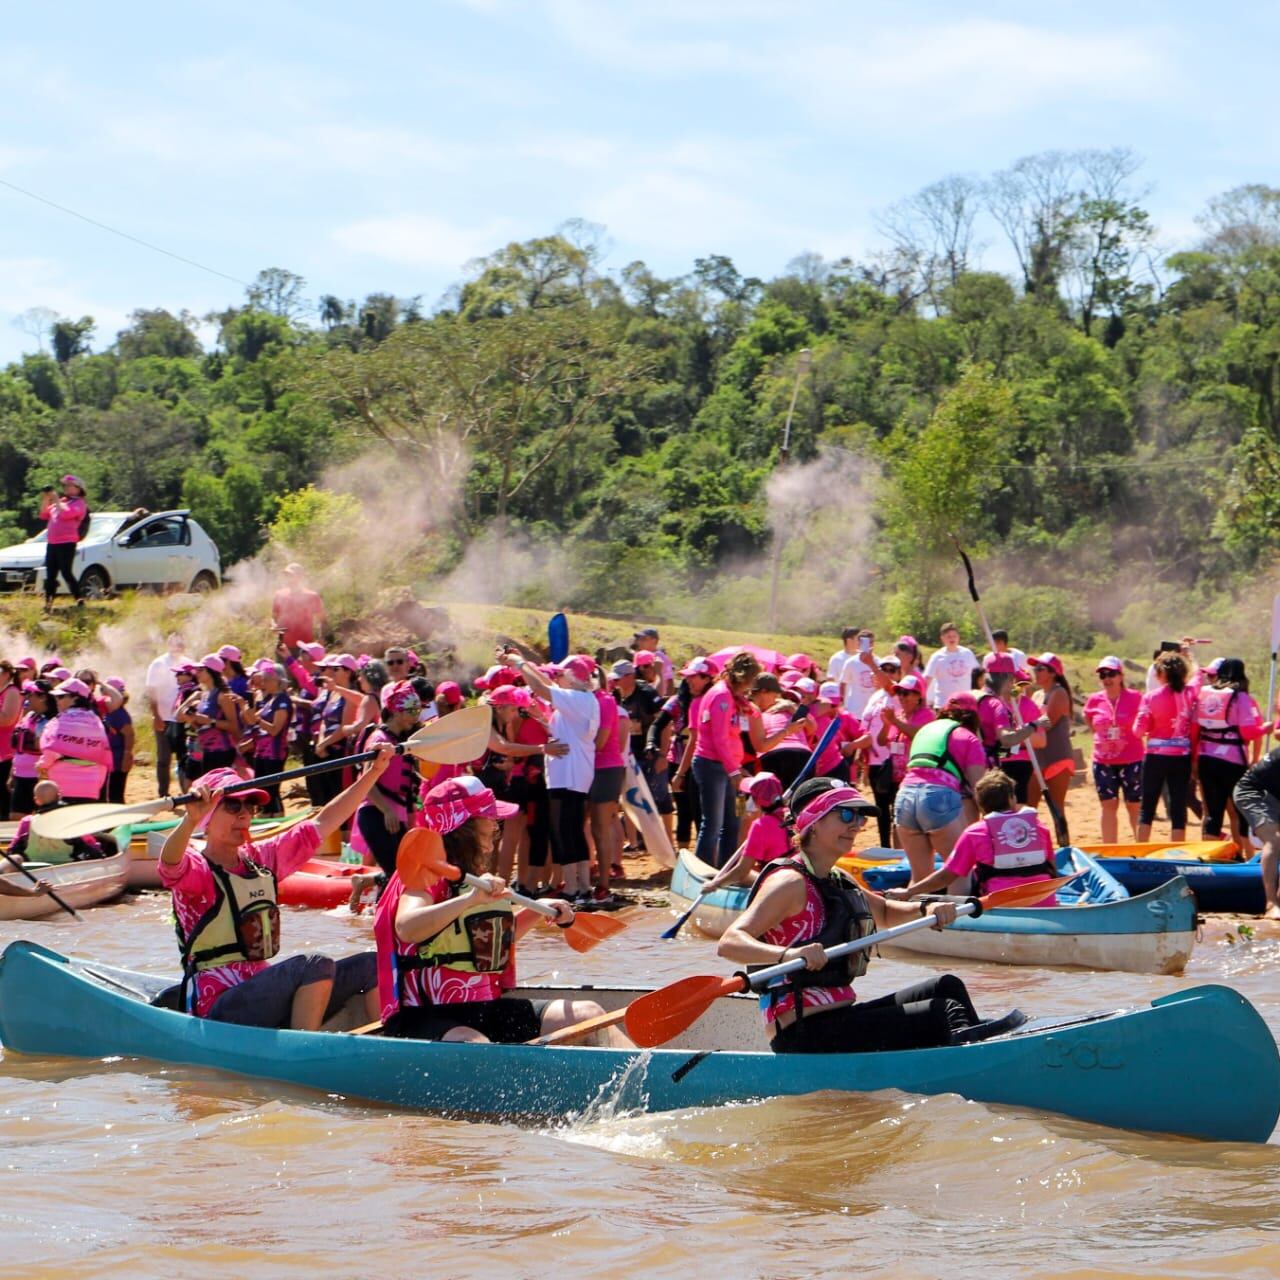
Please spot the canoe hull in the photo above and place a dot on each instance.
(1232, 887)
(78, 884)
(1126, 1069)
(717, 911)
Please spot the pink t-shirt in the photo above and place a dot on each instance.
(75, 753)
(720, 721)
(1164, 719)
(194, 891)
(899, 747)
(64, 516)
(850, 730)
(778, 718)
(975, 846)
(1218, 708)
(610, 755)
(1114, 741)
(966, 751)
(995, 717)
(767, 839)
(873, 719)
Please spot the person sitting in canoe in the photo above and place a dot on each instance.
(1008, 845)
(224, 903)
(446, 952)
(769, 837)
(46, 797)
(803, 904)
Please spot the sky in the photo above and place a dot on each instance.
(380, 147)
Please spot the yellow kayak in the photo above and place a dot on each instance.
(1201, 850)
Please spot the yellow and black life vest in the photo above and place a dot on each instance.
(242, 924)
(479, 940)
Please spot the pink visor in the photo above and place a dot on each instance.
(821, 805)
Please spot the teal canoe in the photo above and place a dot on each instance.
(1173, 1066)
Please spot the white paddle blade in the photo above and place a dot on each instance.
(89, 819)
(1275, 624)
(457, 738)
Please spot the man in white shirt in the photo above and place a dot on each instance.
(1001, 640)
(951, 668)
(859, 677)
(848, 648)
(162, 698)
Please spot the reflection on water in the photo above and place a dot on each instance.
(121, 1168)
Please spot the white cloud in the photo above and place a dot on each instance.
(43, 282)
(422, 240)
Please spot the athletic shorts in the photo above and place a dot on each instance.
(926, 806)
(1256, 807)
(607, 785)
(266, 999)
(510, 1020)
(1111, 779)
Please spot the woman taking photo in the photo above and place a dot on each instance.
(1164, 721)
(65, 514)
(801, 905)
(782, 734)
(1057, 760)
(1117, 750)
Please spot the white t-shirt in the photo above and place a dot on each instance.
(162, 685)
(873, 722)
(835, 667)
(575, 721)
(860, 680)
(950, 673)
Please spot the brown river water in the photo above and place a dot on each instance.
(128, 1168)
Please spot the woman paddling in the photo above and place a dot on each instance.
(446, 952)
(224, 903)
(803, 904)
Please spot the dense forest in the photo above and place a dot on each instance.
(1104, 424)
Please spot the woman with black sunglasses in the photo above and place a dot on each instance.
(1117, 750)
(801, 905)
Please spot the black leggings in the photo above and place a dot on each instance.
(688, 813)
(568, 837)
(264, 769)
(884, 788)
(383, 844)
(1218, 780)
(6, 768)
(59, 557)
(1157, 772)
(1021, 772)
(785, 763)
(921, 1017)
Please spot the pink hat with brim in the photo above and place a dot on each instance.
(800, 662)
(789, 679)
(26, 662)
(448, 806)
(186, 667)
(999, 664)
(30, 686)
(72, 688)
(344, 660)
(58, 673)
(75, 480)
(961, 702)
(699, 667)
(116, 683)
(229, 653)
(829, 691)
(764, 788)
(222, 779)
(400, 695)
(312, 650)
(1050, 660)
(212, 662)
(263, 667)
(644, 658)
(450, 691)
(822, 804)
(910, 684)
(580, 667)
(1110, 663)
(806, 684)
(510, 695)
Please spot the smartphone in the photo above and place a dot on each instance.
(864, 644)
(1170, 646)
(799, 713)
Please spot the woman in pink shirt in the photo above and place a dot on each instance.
(837, 760)
(782, 735)
(64, 514)
(1164, 720)
(723, 713)
(11, 709)
(1117, 750)
(1227, 720)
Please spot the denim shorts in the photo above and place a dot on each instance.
(926, 806)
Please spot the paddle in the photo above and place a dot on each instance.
(658, 1016)
(453, 739)
(703, 891)
(17, 866)
(1059, 819)
(1275, 648)
(421, 860)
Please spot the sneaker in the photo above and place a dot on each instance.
(988, 1028)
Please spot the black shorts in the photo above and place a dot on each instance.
(606, 786)
(511, 1020)
(1257, 807)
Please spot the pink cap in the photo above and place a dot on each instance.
(510, 695)
(450, 691)
(116, 683)
(312, 650)
(830, 691)
(474, 797)
(908, 642)
(1109, 663)
(789, 679)
(57, 673)
(220, 779)
(999, 664)
(49, 664)
(186, 665)
(363, 659)
(962, 702)
(579, 666)
(263, 667)
(1050, 660)
(72, 688)
(341, 660)
(823, 803)
(1213, 668)
(212, 662)
(400, 695)
(230, 653)
(910, 684)
(26, 662)
(699, 667)
(800, 662)
(644, 658)
(764, 788)
(30, 686)
(75, 480)
(414, 660)
(806, 685)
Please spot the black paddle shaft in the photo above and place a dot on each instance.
(17, 866)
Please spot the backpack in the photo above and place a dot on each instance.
(83, 530)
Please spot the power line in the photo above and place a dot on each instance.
(124, 235)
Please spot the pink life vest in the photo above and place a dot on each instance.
(1016, 850)
(1219, 734)
(75, 753)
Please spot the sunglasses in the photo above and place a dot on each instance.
(1109, 675)
(849, 815)
(235, 807)
(397, 662)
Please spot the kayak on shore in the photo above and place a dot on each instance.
(1127, 1068)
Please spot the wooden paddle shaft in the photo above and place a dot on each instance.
(579, 1029)
(762, 976)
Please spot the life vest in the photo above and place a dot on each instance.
(399, 780)
(209, 737)
(1015, 848)
(931, 749)
(479, 940)
(1214, 717)
(242, 924)
(995, 752)
(845, 917)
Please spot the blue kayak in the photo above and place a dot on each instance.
(1234, 887)
(1172, 1066)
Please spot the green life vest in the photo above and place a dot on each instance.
(930, 748)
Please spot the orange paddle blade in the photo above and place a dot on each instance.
(421, 860)
(589, 931)
(1025, 895)
(663, 1014)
